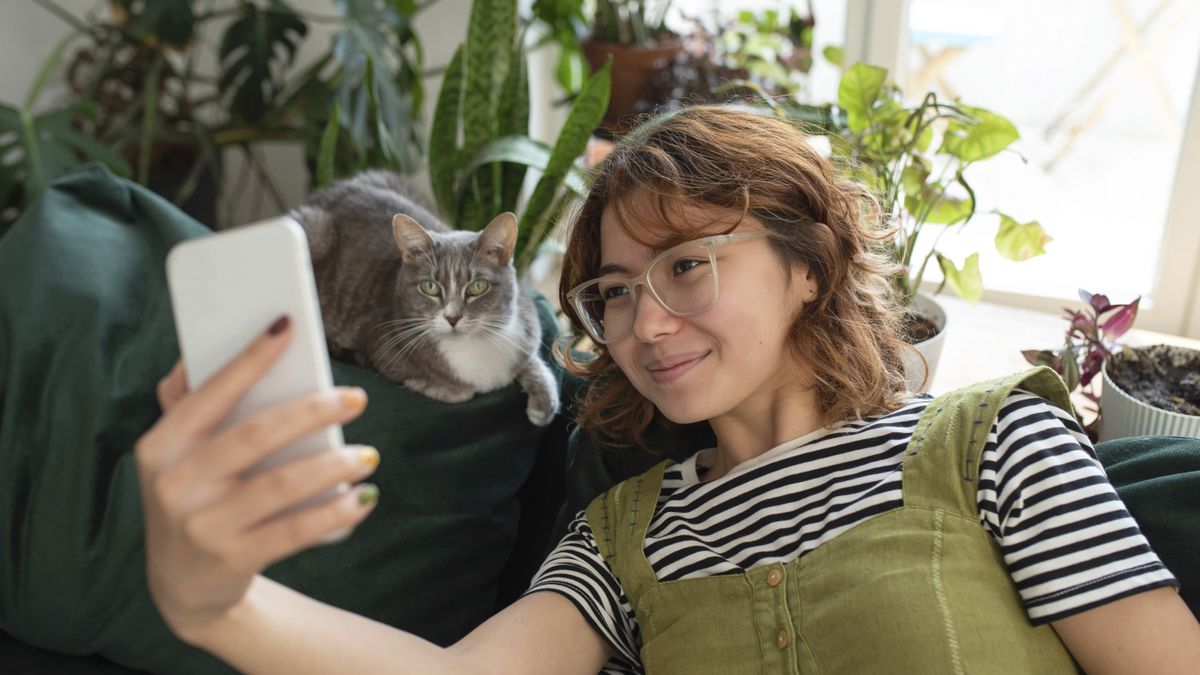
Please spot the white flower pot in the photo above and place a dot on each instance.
(931, 349)
(1122, 415)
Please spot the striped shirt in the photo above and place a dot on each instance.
(1067, 540)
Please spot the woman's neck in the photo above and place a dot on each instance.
(762, 422)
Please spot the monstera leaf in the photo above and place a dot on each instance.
(254, 52)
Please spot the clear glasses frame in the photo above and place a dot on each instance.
(709, 244)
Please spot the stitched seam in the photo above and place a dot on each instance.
(939, 593)
(1071, 589)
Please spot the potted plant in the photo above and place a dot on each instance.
(743, 57)
(141, 100)
(633, 35)
(479, 148)
(916, 158)
(1153, 390)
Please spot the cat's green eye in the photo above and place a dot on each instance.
(478, 287)
(429, 287)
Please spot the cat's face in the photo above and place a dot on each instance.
(457, 284)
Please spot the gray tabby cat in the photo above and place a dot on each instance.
(434, 308)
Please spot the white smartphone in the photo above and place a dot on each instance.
(226, 290)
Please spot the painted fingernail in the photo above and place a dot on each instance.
(279, 326)
(353, 398)
(368, 457)
(367, 494)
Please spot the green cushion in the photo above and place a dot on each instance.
(1158, 478)
(86, 332)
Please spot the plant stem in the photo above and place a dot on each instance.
(63, 14)
(265, 177)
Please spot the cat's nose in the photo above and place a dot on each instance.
(452, 319)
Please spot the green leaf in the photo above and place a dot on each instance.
(990, 135)
(168, 22)
(364, 49)
(950, 211)
(860, 88)
(149, 119)
(585, 115)
(834, 55)
(491, 33)
(967, 282)
(513, 116)
(49, 67)
(328, 150)
(443, 138)
(254, 52)
(1020, 241)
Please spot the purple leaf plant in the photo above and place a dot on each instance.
(1092, 337)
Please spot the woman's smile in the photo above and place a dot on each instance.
(670, 368)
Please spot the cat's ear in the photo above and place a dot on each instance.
(411, 238)
(496, 242)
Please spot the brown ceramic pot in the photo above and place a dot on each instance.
(634, 69)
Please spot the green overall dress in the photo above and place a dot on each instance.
(918, 589)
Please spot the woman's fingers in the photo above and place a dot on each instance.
(279, 538)
(205, 408)
(247, 443)
(172, 388)
(257, 499)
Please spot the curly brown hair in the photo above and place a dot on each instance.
(739, 160)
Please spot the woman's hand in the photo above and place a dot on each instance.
(208, 530)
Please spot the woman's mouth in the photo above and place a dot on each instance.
(670, 369)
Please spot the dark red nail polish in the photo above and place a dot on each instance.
(279, 326)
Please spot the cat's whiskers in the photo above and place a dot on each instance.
(496, 331)
(404, 351)
(392, 337)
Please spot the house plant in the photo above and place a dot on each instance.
(634, 36)
(142, 99)
(916, 158)
(1153, 390)
(479, 148)
(735, 58)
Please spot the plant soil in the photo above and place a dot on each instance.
(1162, 376)
(916, 328)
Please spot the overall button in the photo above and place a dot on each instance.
(781, 640)
(774, 577)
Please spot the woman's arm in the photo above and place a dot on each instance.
(1151, 632)
(278, 630)
(209, 532)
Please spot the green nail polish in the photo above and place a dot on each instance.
(368, 494)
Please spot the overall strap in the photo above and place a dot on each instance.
(619, 519)
(941, 462)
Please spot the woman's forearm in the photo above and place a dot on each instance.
(275, 629)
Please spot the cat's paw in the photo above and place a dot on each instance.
(443, 394)
(541, 410)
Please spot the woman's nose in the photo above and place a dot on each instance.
(651, 321)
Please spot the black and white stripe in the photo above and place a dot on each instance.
(1066, 537)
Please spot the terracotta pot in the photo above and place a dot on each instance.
(634, 69)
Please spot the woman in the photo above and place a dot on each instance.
(724, 274)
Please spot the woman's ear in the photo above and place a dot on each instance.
(804, 284)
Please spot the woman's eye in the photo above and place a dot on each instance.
(686, 264)
(430, 288)
(612, 293)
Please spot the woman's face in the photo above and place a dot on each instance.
(699, 367)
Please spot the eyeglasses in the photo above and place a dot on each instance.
(683, 279)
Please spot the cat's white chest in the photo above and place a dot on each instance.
(480, 361)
